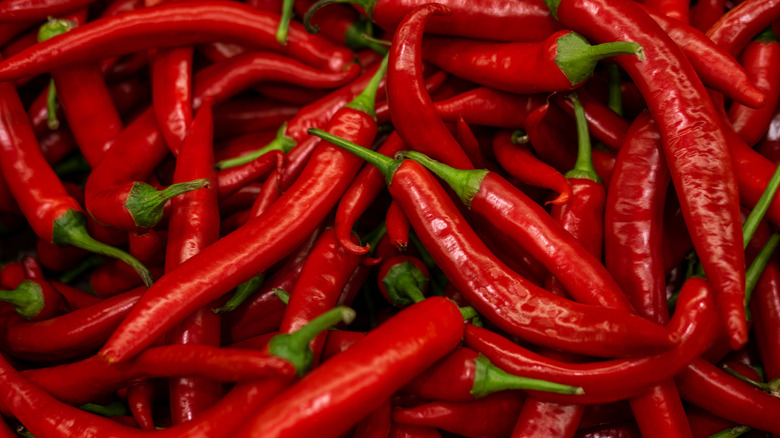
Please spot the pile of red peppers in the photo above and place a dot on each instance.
(389, 218)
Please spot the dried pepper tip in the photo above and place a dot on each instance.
(295, 346)
(71, 229)
(489, 378)
(27, 298)
(145, 203)
(281, 143)
(465, 182)
(577, 59)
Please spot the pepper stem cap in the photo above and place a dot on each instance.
(577, 58)
(465, 182)
(145, 203)
(404, 283)
(27, 298)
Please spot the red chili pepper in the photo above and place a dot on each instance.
(140, 400)
(398, 430)
(705, 13)
(516, 158)
(765, 308)
(561, 62)
(352, 384)
(492, 416)
(377, 424)
(397, 226)
(172, 93)
(492, 288)
(547, 419)
(553, 146)
(524, 21)
(734, 30)
(232, 179)
(248, 115)
(76, 298)
(603, 123)
(695, 319)
(760, 58)
(488, 107)
(34, 298)
(14, 10)
(695, 146)
(411, 107)
(51, 212)
(171, 25)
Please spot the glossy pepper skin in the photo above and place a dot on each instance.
(357, 381)
(694, 144)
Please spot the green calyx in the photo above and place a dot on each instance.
(404, 283)
(294, 347)
(145, 203)
(54, 27)
(583, 167)
(489, 378)
(71, 229)
(365, 101)
(27, 298)
(360, 35)
(367, 5)
(281, 143)
(577, 59)
(552, 5)
(243, 291)
(465, 182)
(385, 165)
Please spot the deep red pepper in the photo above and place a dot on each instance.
(76, 298)
(705, 13)
(492, 288)
(491, 20)
(398, 430)
(734, 30)
(519, 161)
(397, 226)
(171, 25)
(376, 424)
(23, 10)
(232, 179)
(695, 146)
(172, 93)
(353, 383)
(492, 416)
(243, 143)
(140, 400)
(549, 141)
(411, 107)
(674, 9)
(52, 213)
(561, 62)
(760, 58)
(470, 144)
(765, 307)
(539, 418)
(695, 319)
(34, 298)
(603, 123)
(245, 115)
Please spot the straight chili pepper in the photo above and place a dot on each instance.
(351, 384)
(492, 288)
(411, 107)
(172, 93)
(170, 25)
(765, 308)
(491, 20)
(694, 144)
(51, 212)
(561, 62)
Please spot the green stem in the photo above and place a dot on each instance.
(733, 432)
(468, 312)
(27, 298)
(295, 346)
(615, 99)
(465, 182)
(577, 59)
(145, 203)
(772, 387)
(385, 165)
(374, 236)
(367, 5)
(284, 22)
(112, 409)
(404, 283)
(583, 167)
(282, 294)
(755, 269)
(768, 35)
(52, 122)
(759, 211)
(361, 35)
(281, 143)
(489, 378)
(243, 291)
(71, 229)
(365, 101)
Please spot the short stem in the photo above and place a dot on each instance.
(243, 291)
(759, 211)
(281, 143)
(365, 101)
(145, 203)
(755, 269)
(284, 22)
(386, 165)
(583, 167)
(465, 182)
(404, 283)
(615, 99)
(295, 346)
(52, 122)
(489, 379)
(27, 298)
(70, 229)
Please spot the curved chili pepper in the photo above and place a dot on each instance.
(694, 144)
(51, 212)
(140, 398)
(232, 179)
(488, 107)
(492, 288)
(411, 107)
(355, 382)
(397, 226)
(517, 159)
(85, 101)
(492, 416)
(523, 21)
(171, 25)
(561, 62)
(553, 146)
(470, 144)
(522, 220)
(759, 58)
(716, 67)
(614, 379)
(69, 335)
(255, 246)
(734, 30)
(76, 298)
(717, 391)
(172, 93)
